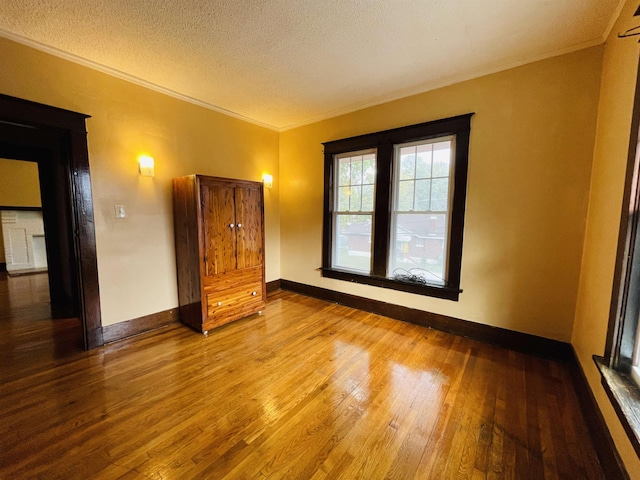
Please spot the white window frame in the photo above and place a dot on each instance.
(395, 200)
(337, 214)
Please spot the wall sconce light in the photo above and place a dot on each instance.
(267, 180)
(145, 165)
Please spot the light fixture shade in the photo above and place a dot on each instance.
(267, 179)
(146, 165)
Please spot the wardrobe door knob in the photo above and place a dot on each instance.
(219, 304)
(239, 225)
(254, 293)
(231, 225)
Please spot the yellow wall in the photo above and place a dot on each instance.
(529, 170)
(605, 203)
(20, 188)
(136, 255)
(20, 184)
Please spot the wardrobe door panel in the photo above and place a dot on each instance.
(249, 232)
(218, 219)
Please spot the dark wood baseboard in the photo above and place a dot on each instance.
(3, 267)
(273, 286)
(521, 342)
(21, 209)
(610, 461)
(136, 326)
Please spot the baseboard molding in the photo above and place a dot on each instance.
(273, 286)
(610, 461)
(521, 342)
(136, 326)
(21, 209)
(27, 271)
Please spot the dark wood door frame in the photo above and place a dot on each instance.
(49, 150)
(74, 159)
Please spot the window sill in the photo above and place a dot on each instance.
(625, 397)
(444, 292)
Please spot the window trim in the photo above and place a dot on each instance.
(384, 142)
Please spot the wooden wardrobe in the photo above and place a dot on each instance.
(219, 233)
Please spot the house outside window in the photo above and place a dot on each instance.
(394, 207)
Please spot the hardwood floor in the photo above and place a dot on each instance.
(309, 390)
(29, 340)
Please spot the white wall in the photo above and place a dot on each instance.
(23, 234)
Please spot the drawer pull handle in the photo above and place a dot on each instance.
(219, 304)
(239, 225)
(254, 293)
(231, 225)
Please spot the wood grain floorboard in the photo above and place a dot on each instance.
(308, 390)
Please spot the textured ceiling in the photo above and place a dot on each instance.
(287, 62)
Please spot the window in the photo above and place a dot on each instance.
(620, 366)
(394, 207)
(420, 210)
(353, 215)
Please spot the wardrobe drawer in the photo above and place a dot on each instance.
(235, 301)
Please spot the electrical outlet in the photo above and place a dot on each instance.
(120, 211)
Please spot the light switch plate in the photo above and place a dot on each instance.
(120, 211)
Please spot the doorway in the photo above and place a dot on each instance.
(56, 140)
(22, 239)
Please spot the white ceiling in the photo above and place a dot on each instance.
(283, 63)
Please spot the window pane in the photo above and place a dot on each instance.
(353, 242)
(356, 171)
(369, 169)
(405, 196)
(441, 159)
(439, 194)
(418, 248)
(423, 161)
(367, 198)
(423, 191)
(356, 198)
(353, 172)
(407, 163)
(344, 194)
(344, 171)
